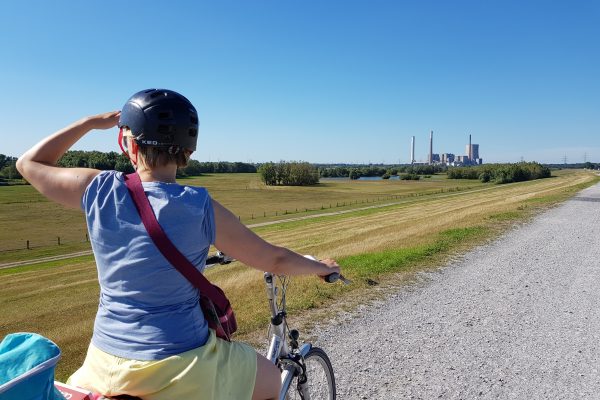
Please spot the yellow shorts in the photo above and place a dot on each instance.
(217, 370)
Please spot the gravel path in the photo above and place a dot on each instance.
(515, 319)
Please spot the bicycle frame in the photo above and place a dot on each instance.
(290, 361)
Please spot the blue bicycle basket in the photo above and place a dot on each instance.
(27, 363)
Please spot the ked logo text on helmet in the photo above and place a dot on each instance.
(161, 118)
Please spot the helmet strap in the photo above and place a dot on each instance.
(134, 151)
(123, 146)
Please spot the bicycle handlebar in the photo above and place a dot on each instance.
(219, 258)
(222, 258)
(334, 277)
(331, 278)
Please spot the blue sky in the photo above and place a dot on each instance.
(321, 81)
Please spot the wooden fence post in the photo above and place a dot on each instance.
(58, 240)
(28, 245)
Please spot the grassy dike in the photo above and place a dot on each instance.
(382, 268)
(377, 248)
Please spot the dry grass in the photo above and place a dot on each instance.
(27, 215)
(59, 299)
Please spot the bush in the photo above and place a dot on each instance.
(485, 176)
(410, 177)
(292, 173)
(501, 173)
(10, 171)
(354, 173)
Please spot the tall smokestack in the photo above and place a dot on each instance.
(431, 148)
(412, 150)
(470, 149)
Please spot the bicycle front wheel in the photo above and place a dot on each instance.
(320, 382)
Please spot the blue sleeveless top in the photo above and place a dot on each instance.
(147, 310)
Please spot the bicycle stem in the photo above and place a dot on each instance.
(278, 344)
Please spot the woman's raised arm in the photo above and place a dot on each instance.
(63, 185)
(239, 242)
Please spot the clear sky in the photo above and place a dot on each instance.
(320, 81)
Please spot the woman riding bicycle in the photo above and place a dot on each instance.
(150, 337)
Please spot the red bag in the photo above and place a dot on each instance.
(220, 319)
(215, 305)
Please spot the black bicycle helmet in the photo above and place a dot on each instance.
(161, 118)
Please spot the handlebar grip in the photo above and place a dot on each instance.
(213, 260)
(331, 278)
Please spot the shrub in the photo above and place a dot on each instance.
(294, 173)
(501, 173)
(410, 177)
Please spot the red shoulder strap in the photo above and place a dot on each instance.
(166, 247)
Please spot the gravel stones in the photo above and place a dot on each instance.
(518, 318)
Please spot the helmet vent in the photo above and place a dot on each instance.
(156, 94)
(165, 115)
(149, 90)
(194, 119)
(193, 132)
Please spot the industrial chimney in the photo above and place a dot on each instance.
(470, 149)
(431, 148)
(412, 150)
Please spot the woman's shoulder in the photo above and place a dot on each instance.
(177, 192)
(107, 178)
(103, 185)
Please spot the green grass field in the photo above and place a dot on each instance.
(375, 247)
(25, 215)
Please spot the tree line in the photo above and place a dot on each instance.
(8, 169)
(501, 173)
(119, 162)
(195, 168)
(289, 173)
(587, 165)
(405, 171)
(96, 159)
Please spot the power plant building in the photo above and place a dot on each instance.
(471, 157)
(447, 158)
(473, 151)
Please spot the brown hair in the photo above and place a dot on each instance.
(154, 157)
